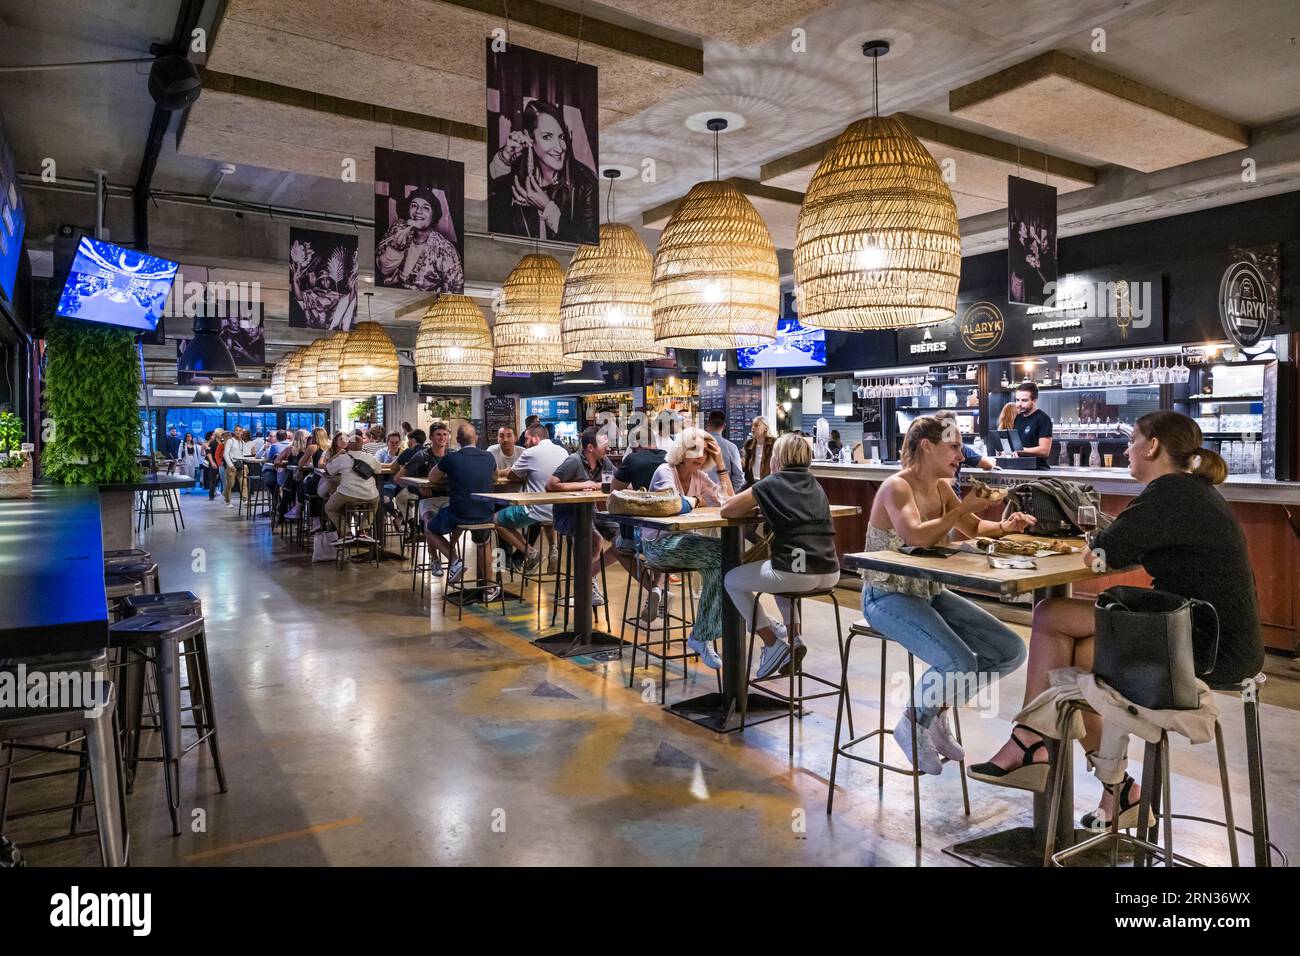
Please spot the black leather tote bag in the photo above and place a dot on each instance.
(1149, 648)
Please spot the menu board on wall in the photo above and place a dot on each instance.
(713, 395)
(744, 404)
(1085, 312)
(499, 412)
(552, 409)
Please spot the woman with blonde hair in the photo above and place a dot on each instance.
(682, 471)
(966, 647)
(1183, 534)
(796, 509)
(756, 458)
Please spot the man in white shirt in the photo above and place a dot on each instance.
(388, 454)
(505, 451)
(534, 468)
(257, 445)
(353, 488)
(237, 448)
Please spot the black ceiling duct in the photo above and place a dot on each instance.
(174, 82)
(207, 354)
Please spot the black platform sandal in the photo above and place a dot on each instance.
(1129, 808)
(1027, 776)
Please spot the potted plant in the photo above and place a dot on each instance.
(15, 465)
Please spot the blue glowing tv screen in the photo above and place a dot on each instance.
(116, 286)
(13, 219)
(795, 347)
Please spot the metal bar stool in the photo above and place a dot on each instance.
(541, 574)
(1156, 792)
(864, 629)
(794, 668)
(250, 494)
(157, 641)
(104, 759)
(482, 533)
(117, 587)
(564, 575)
(669, 620)
(353, 539)
(144, 570)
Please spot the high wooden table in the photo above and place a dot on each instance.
(1054, 576)
(583, 639)
(721, 712)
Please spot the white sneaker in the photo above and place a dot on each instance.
(230, 504)
(651, 610)
(663, 605)
(780, 631)
(552, 563)
(533, 559)
(798, 651)
(943, 740)
(492, 593)
(455, 571)
(597, 599)
(927, 758)
(772, 658)
(707, 654)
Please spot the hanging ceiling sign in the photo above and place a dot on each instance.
(1031, 241)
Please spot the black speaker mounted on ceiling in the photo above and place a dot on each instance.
(174, 82)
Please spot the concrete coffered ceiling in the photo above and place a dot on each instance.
(1096, 112)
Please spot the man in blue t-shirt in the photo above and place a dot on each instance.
(470, 471)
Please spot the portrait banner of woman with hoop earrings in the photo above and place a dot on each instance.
(542, 146)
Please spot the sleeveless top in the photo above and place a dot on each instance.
(879, 539)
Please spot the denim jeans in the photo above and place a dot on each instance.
(966, 647)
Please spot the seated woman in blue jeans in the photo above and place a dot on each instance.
(966, 647)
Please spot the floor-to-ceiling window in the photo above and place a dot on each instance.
(305, 420)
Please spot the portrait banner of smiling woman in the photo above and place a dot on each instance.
(419, 222)
(542, 146)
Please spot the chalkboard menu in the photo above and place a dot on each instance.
(499, 412)
(744, 403)
(713, 394)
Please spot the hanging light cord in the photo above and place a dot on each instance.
(875, 85)
(609, 201)
(716, 133)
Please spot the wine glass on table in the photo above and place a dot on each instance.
(1085, 518)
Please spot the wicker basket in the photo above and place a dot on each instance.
(644, 504)
(16, 482)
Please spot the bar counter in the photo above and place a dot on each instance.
(1269, 512)
(52, 573)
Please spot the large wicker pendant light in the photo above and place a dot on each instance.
(527, 330)
(327, 367)
(277, 381)
(308, 389)
(877, 245)
(292, 378)
(716, 283)
(454, 344)
(369, 365)
(605, 313)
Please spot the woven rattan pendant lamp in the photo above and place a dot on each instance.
(293, 378)
(877, 245)
(327, 367)
(527, 331)
(369, 364)
(277, 381)
(454, 344)
(308, 389)
(716, 284)
(605, 313)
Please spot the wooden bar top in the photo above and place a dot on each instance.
(545, 497)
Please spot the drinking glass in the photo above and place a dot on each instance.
(1126, 374)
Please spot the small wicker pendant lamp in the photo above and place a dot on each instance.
(454, 344)
(369, 365)
(327, 368)
(308, 389)
(277, 381)
(716, 284)
(292, 378)
(527, 331)
(605, 312)
(877, 245)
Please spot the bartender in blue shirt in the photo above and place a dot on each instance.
(1033, 424)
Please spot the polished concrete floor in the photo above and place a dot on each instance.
(361, 727)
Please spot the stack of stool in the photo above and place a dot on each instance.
(164, 628)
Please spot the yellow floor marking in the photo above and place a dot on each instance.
(274, 838)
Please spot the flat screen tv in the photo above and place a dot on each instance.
(114, 285)
(795, 347)
(13, 219)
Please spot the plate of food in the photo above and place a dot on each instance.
(1020, 547)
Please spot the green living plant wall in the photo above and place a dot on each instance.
(92, 423)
